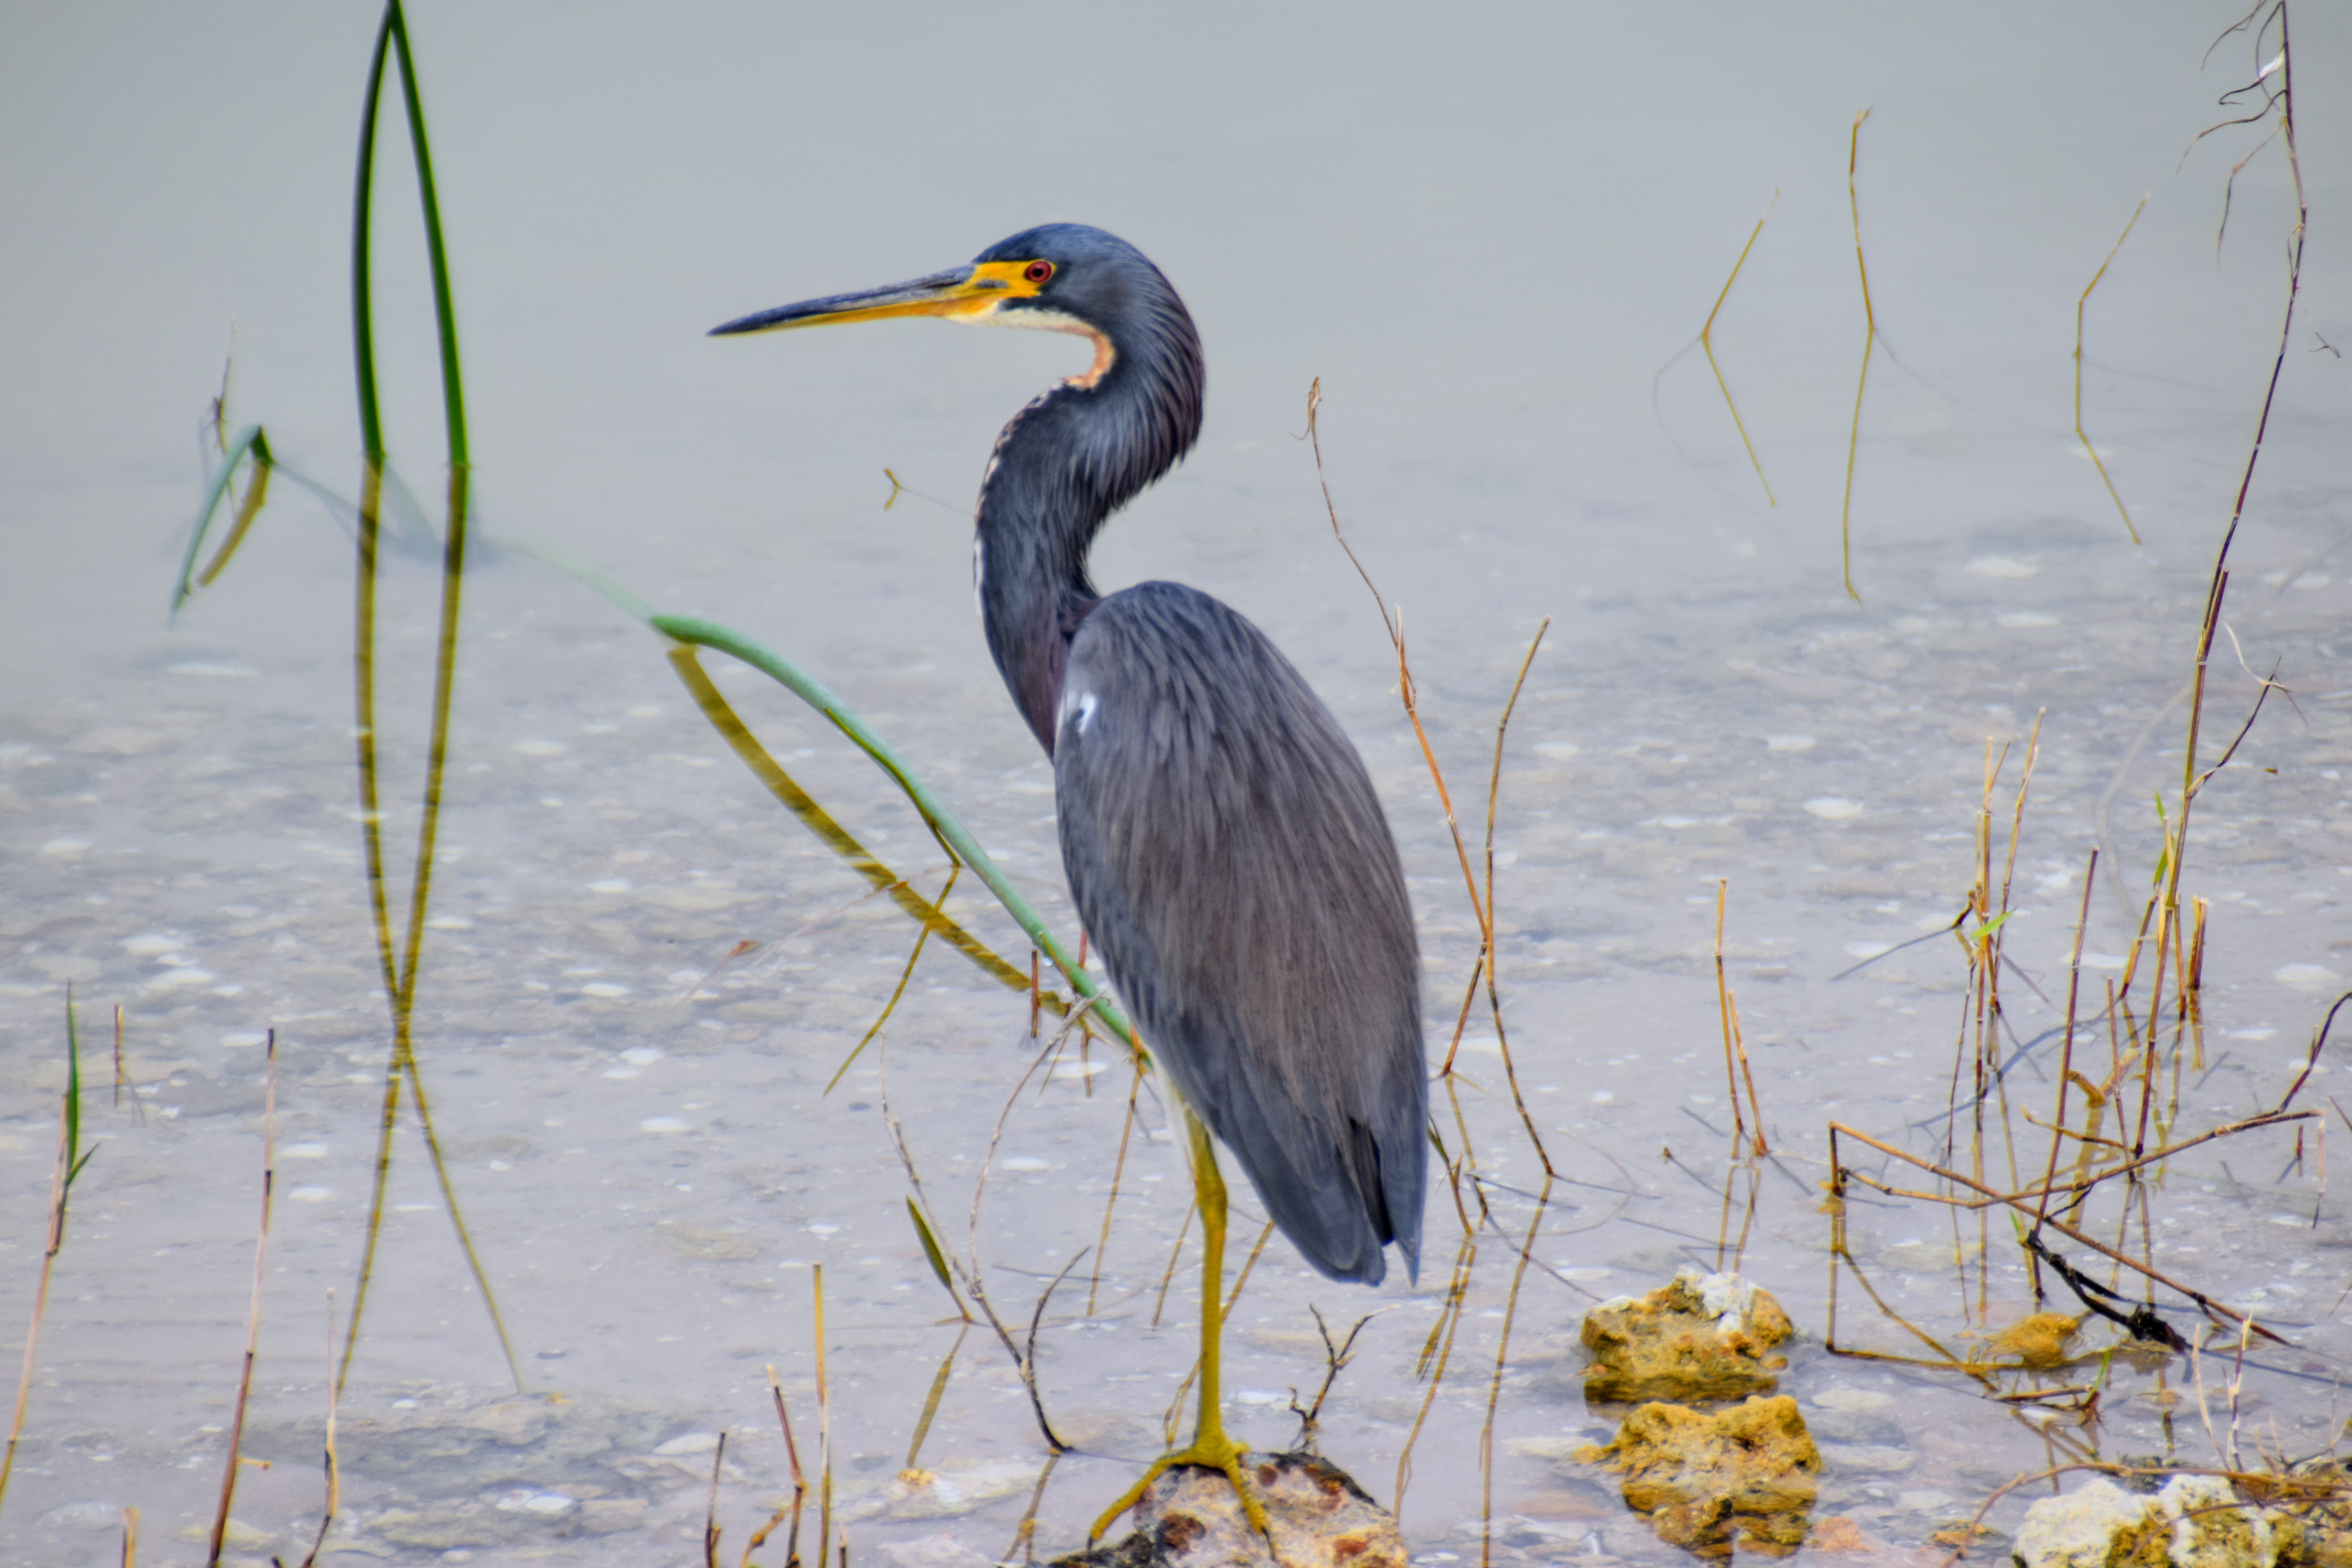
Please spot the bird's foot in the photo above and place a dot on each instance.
(1217, 1453)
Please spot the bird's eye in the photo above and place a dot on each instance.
(1038, 271)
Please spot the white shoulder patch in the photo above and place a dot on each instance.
(1079, 707)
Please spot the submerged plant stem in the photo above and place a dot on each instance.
(1869, 342)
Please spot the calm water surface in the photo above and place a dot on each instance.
(1486, 237)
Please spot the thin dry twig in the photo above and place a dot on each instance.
(1435, 1356)
(1869, 342)
(2080, 306)
(334, 1498)
(1840, 1172)
(1025, 1535)
(966, 1268)
(711, 1509)
(59, 1182)
(1732, 1060)
(1117, 1170)
(122, 1078)
(824, 1424)
(800, 1487)
(1393, 622)
(1494, 1385)
(1707, 341)
(1487, 916)
(1337, 1354)
(253, 1312)
(1175, 1256)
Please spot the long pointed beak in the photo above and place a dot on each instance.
(964, 292)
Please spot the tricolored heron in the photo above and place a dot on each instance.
(1224, 843)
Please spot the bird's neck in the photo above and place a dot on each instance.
(1029, 559)
(1061, 467)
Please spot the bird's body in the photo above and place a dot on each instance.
(1222, 841)
(1228, 856)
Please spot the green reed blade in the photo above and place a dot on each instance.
(628, 604)
(708, 634)
(780, 783)
(362, 292)
(249, 440)
(931, 1253)
(73, 1083)
(75, 1156)
(457, 1222)
(387, 1122)
(445, 311)
(256, 495)
(401, 974)
(931, 1404)
(731, 729)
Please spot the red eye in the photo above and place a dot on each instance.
(1038, 271)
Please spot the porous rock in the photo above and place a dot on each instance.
(1704, 1336)
(2313, 1523)
(2212, 1528)
(2195, 1521)
(2082, 1528)
(2040, 1340)
(1746, 1475)
(1190, 1517)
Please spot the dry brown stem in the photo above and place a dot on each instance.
(711, 1509)
(253, 1312)
(334, 1495)
(59, 1182)
(1869, 342)
(1839, 1174)
(800, 1486)
(1337, 1354)
(1434, 1356)
(2080, 306)
(1495, 1384)
(824, 1421)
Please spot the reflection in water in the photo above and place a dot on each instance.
(400, 966)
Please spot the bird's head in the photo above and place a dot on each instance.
(1058, 277)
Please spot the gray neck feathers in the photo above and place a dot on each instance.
(1061, 467)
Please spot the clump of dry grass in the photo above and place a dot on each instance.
(2114, 1127)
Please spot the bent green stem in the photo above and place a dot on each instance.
(941, 821)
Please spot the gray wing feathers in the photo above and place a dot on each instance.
(1231, 863)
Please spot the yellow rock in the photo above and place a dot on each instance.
(1746, 1475)
(2040, 1340)
(1701, 1337)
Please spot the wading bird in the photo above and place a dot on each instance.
(1222, 842)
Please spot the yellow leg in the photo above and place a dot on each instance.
(1210, 1446)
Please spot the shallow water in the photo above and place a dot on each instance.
(1487, 240)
